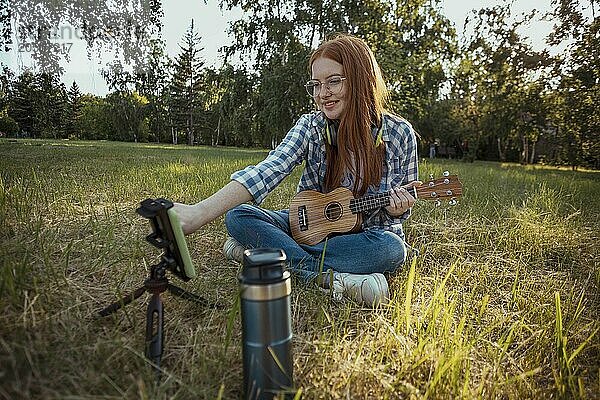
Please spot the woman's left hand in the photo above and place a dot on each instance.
(401, 200)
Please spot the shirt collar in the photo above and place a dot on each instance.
(319, 122)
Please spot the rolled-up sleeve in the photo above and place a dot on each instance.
(409, 165)
(262, 178)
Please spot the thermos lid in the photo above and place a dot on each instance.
(263, 265)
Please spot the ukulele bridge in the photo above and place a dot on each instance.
(302, 219)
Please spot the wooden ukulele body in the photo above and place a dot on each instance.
(314, 215)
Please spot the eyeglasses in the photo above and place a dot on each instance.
(333, 85)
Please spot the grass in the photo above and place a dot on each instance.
(502, 302)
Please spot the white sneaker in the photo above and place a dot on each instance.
(370, 289)
(233, 250)
(328, 284)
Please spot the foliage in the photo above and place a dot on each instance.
(6, 78)
(125, 27)
(491, 97)
(496, 90)
(230, 106)
(580, 92)
(126, 114)
(37, 103)
(8, 126)
(93, 122)
(153, 83)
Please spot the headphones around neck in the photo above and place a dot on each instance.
(331, 132)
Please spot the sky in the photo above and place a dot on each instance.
(212, 23)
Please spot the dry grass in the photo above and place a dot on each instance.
(503, 301)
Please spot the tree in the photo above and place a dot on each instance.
(280, 96)
(38, 105)
(126, 116)
(48, 27)
(153, 84)
(187, 86)
(570, 20)
(21, 106)
(73, 111)
(575, 127)
(232, 109)
(122, 82)
(496, 84)
(414, 48)
(93, 122)
(6, 79)
(50, 106)
(8, 126)
(580, 89)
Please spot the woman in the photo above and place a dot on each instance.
(351, 142)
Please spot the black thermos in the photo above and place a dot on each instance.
(265, 290)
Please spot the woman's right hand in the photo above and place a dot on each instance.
(189, 217)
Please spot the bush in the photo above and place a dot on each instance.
(8, 126)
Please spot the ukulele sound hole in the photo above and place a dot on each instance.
(333, 211)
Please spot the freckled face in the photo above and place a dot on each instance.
(333, 105)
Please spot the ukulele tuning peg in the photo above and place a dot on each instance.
(437, 203)
(446, 173)
(452, 202)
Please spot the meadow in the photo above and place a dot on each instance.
(501, 303)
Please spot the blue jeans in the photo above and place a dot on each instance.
(375, 250)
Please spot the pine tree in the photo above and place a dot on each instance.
(186, 86)
(21, 104)
(49, 105)
(73, 111)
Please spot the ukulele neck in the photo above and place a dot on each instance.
(373, 201)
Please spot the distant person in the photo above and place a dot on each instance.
(352, 141)
(432, 150)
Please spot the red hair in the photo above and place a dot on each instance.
(366, 99)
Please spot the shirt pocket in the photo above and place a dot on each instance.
(397, 173)
(314, 174)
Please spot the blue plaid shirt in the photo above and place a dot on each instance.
(305, 142)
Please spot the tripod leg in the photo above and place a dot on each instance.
(123, 302)
(177, 291)
(154, 332)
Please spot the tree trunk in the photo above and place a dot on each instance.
(173, 134)
(218, 131)
(524, 150)
(190, 129)
(501, 151)
(532, 158)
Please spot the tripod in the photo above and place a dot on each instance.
(166, 235)
(157, 283)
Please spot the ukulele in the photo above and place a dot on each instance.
(315, 215)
